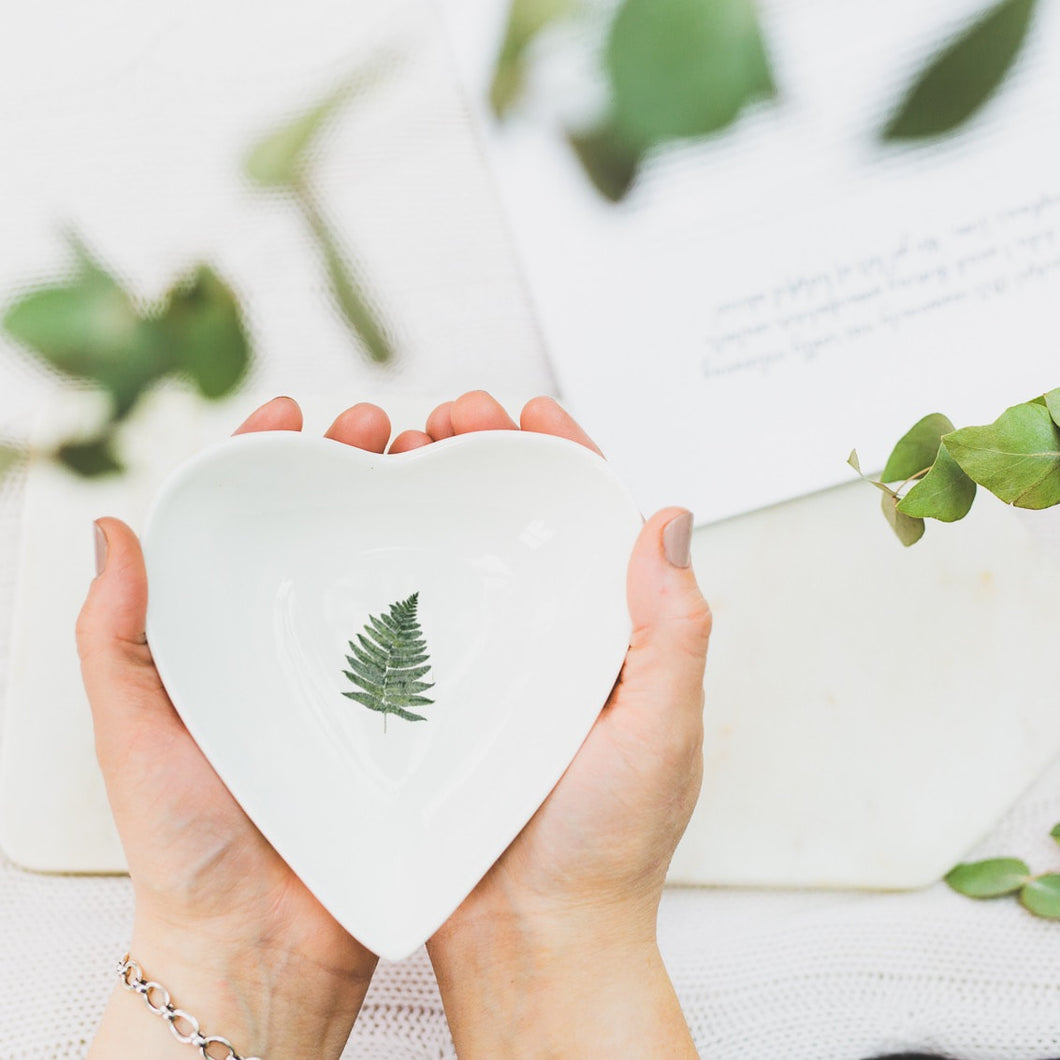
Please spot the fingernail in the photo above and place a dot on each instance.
(101, 549)
(677, 540)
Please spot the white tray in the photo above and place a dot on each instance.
(870, 710)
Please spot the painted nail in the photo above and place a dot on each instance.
(677, 540)
(101, 549)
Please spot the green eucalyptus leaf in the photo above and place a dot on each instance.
(607, 160)
(964, 75)
(83, 328)
(681, 68)
(909, 529)
(526, 19)
(1042, 896)
(1052, 403)
(202, 322)
(1055, 833)
(902, 526)
(989, 879)
(917, 448)
(90, 329)
(280, 158)
(1017, 457)
(944, 493)
(90, 459)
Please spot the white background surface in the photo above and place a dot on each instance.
(127, 119)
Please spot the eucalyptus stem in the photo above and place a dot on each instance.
(915, 477)
(349, 295)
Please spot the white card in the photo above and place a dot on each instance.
(765, 301)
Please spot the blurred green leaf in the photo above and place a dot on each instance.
(917, 448)
(90, 459)
(608, 162)
(83, 328)
(944, 493)
(908, 529)
(90, 329)
(964, 75)
(1052, 403)
(203, 324)
(1055, 833)
(682, 68)
(279, 159)
(10, 455)
(1042, 896)
(1017, 457)
(989, 879)
(526, 19)
(349, 295)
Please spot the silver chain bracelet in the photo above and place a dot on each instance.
(185, 1028)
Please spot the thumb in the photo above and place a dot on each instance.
(114, 615)
(116, 665)
(671, 620)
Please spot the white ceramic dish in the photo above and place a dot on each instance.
(268, 554)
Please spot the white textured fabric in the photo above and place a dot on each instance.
(783, 976)
(760, 975)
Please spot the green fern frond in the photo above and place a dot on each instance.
(387, 662)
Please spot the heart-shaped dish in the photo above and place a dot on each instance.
(390, 660)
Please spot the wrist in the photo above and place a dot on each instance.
(533, 937)
(586, 982)
(267, 1000)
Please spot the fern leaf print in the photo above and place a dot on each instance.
(388, 661)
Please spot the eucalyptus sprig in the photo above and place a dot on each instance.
(681, 69)
(997, 877)
(90, 327)
(933, 471)
(282, 161)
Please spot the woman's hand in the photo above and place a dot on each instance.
(220, 920)
(554, 953)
